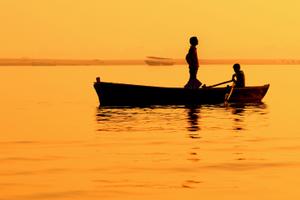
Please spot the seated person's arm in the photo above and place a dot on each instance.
(234, 78)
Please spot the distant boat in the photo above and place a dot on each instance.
(156, 61)
(117, 94)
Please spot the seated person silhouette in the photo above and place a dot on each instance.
(238, 77)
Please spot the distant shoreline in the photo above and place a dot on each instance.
(105, 62)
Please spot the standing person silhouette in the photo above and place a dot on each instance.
(192, 60)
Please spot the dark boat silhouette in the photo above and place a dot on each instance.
(119, 94)
(156, 61)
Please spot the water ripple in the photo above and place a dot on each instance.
(238, 117)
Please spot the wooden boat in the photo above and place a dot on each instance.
(119, 94)
(156, 61)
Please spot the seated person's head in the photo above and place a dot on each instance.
(194, 41)
(236, 67)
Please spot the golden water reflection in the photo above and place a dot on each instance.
(198, 119)
(55, 144)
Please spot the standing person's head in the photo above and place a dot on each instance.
(194, 41)
(236, 67)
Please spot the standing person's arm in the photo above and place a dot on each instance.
(194, 57)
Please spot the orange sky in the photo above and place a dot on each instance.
(134, 28)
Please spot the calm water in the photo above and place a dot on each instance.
(56, 144)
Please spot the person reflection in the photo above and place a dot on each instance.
(238, 119)
(238, 109)
(193, 121)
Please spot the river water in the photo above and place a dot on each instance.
(55, 143)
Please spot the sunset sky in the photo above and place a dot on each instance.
(133, 29)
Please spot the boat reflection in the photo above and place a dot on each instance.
(238, 112)
(242, 112)
(236, 117)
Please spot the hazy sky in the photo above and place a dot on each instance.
(136, 28)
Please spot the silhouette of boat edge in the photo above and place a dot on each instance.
(120, 94)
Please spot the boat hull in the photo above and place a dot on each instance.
(158, 63)
(116, 94)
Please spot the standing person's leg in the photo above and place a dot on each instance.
(193, 73)
(195, 83)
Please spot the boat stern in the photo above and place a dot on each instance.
(97, 87)
(249, 94)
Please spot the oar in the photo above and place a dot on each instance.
(228, 95)
(211, 86)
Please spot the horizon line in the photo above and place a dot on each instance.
(172, 61)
